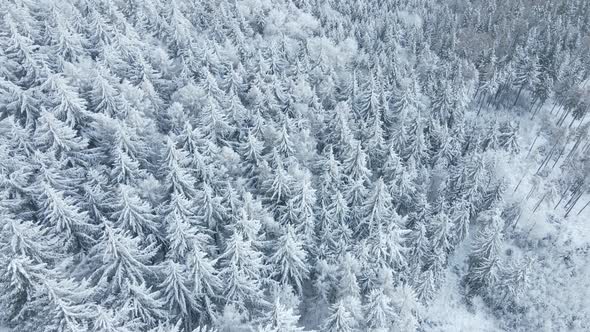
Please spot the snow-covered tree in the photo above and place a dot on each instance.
(379, 310)
(134, 214)
(485, 261)
(340, 319)
(289, 261)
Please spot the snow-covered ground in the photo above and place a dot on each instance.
(449, 311)
(558, 295)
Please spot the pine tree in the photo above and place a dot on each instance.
(20, 276)
(419, 245)
(461, 216)
(206, 284)
(526, 71)
(340, 319)
(143, 304)
(282, 319)
(214, 122)
(417, 147)
(441, 228)
(61, 305)
(181, 235)
(426, 286)
(355, 164)
(289, 260)
(279, 185)
(134, 214)
(178, 297)
(340, 135)
(407, 307)
(514, 279)
(484, 261)
(63, 217)
(386, 247)
(178, 178)
(348, 287)
(54, 135)
(377, 210)
(303, 205)
(242, 271)
(67, 104)
(250, 151)
(379, 311)
(23, 238)
(210, 212)
(119, 259)
(392, 167)
(104, 96)
(111, 321)
(283, 142)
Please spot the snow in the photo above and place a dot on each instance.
(409, 18)
(118, 145)
(449, 311)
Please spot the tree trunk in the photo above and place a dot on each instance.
(481, 103)
(498, 93)
(553, 108)
(571, 123)
(533, 104)
(519, 182)
(558, 157)
(573, 205)
(583, 207)
(574, 194)
(538, 109)
(574, 148)
(562, 196)
(560, 122)
(539, 204)
(547, 158)
(533, 144)
(582, 120)
(531, 192)
(518, 95)
(558, 110)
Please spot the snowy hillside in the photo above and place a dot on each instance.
(294, 165)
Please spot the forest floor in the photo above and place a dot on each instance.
(449, 312)
(558, 295)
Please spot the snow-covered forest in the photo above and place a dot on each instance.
(294, 165)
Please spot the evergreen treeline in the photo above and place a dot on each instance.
(236, 165)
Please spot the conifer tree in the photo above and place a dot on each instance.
(282, 319)
(340, 319)
(61, 305)
(55, 136)
(63, 217)
(178, 297)
(242, 271)
(407, 307)
(377, 210)
(119, 259)
(21, 277)
(178, 178)
(134, 214)
(379, 310)
(143, 304)
(441, 232)
(289, 261)
(355, 164)
(484, 261)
